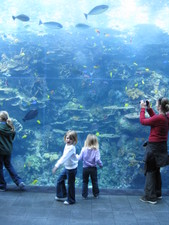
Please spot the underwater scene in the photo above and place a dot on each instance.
(82, 65)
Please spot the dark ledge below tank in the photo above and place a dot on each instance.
(108, 191)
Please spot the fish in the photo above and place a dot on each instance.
(38, 121)
(97, 31)
(51, 24)
(21, 17)
(22, 54)
(34, 182)
(97, 134)
(24, 136)
(82, 26)
(97, 10)
(107, 35)
(30, 115)
(96, 67)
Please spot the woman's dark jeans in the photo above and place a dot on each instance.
(61, 191)
(152, 189)
(92, 172)
(6, 161)
(156, 156)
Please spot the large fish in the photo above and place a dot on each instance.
(21, 17)
(51, 24)
(82, 26)
(31, 115)
(97, 10)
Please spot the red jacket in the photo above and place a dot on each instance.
(159, 125)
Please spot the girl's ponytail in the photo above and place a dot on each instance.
(10, 124)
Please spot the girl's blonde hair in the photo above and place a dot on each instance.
(72, 135)
(91, 142)
(4, 116)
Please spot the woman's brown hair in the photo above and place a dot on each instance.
(164, 103)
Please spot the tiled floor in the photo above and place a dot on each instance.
(38, 208)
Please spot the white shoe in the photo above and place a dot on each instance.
(144, 199)
(159, 197)
(21, 185)
(66, 203)
(2, 189)
(60, 199)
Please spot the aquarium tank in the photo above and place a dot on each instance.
(82, 65)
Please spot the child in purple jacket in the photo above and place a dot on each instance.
(90, 155)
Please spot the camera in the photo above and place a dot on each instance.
(146, 101)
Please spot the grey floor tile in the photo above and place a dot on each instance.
(164, 223)
(35, 221)
(148, 222)
(36, 212)
(161, 206)
(34, 208)
(58, 213)
(13, 211)
(56, 221)
(124, 217)
(19, 220)
(81, 214)
(126, 223)
(162, 217)
(75, 221)
(99, 207)
(107, 223)
(166, 198)
(103, 217)
(144, 215)
(120, 203)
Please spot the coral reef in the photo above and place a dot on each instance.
(83, 82)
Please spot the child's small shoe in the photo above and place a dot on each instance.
(66, 203)
(84, 197)
(2, 189)
(60, 199)
(159, 197)
(96, 196)
(22, 186)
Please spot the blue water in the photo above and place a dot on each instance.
(90, 80)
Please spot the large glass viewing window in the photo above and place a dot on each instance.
(75, 65)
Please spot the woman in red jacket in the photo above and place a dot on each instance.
(156, 154)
